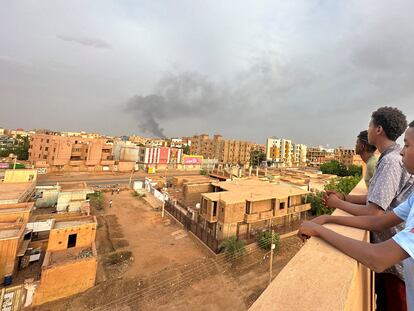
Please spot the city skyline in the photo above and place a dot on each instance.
(309, 71)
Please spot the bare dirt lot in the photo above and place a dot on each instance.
(150, 263)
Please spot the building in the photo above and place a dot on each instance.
(70, 153)
(244, 208)
(70, 262)
(299, 155)
(224, 150)
(347, 157)
(279, 151)
(315, 156)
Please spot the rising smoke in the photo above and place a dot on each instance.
(194, 95)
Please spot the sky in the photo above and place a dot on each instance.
(311, 71)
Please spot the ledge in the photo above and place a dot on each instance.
(320, 277)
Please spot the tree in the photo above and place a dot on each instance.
(264, 240)
(203, 172)
(186, 149)
(257, 157)
(336, 168)
(233, 247)
(20, 148)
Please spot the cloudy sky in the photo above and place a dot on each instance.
(312, 71)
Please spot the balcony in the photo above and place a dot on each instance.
(75, 162)
(107, 162)
(320, 277)
(302, 208)
(266, 215)
(251, 217)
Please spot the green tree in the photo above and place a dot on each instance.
(336, 168)
(354, 170)
(257, 157)
(186, 149)
(233, 247)
(96, 200)
(264, 240)
(22, 148)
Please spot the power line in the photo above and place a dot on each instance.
(184, 277)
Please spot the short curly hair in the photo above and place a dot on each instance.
(392, 120)
(411, 124)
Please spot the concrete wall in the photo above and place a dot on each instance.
(231, 213)
(65, 279)
(192, 193)
(58, 238)
(70, 201)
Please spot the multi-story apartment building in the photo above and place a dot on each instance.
(299, 155)
(347, 157)
(315, 156)
(72, 153)
(224, 150)
(279, 150)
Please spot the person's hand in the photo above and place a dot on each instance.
(308, 229)
(321, 220)
(332, 201)
(328, 193)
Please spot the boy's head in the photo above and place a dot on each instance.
(386, 123)
(408, 151)
(362, 145)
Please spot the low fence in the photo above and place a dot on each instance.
(192, 226)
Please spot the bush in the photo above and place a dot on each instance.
(96, 200)
(203, 172)
(233, 247)
(343, 185)
(264, 240)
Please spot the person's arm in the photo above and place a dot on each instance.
(377, 257)
(357, 199)
(371, 223)
(369, 209)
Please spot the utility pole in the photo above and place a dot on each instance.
(272, 247)
(130, 178)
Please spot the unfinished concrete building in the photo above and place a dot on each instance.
(243, 208)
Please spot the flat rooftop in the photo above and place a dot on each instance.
(9, 233)
(16, 208)
(76, 222)
(70, 186)
(13, 191)
(70, 254)
(252, 190)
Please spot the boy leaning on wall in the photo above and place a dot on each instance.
(380, 256)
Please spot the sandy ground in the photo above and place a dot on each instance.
(168, 270)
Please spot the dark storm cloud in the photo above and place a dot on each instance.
(194, 95)
(87, 41)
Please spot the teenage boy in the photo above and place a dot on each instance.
(385, 254)
(366, 151)
(390, 186)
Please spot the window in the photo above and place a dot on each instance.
(47, 140)
(282, 205)
(248, 207)
(46, 148)
(45, 157)
(72, 240)
(214, 208)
